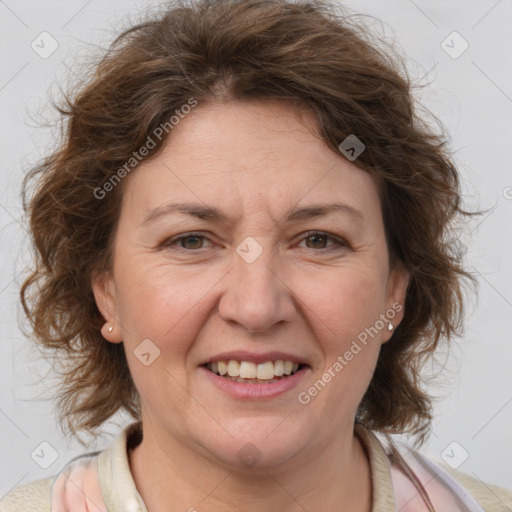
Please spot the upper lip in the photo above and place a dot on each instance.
(242, 355)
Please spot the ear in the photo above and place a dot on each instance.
(395, 301)
(104, 294)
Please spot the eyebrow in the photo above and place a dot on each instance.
(210, 213)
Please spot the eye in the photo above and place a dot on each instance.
(195, 241)
(318, 239)
(189, 241)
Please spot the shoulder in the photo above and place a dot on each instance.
(446, 485)
(408, 480)
(74, 489)
(91, 474)
(32, 497)
(489, 496)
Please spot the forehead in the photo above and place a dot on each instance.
(249, 157)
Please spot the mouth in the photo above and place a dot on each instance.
(248, 372)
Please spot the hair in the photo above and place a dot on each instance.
(310, 53)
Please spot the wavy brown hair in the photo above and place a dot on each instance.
(311, 53)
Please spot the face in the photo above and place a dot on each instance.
(254, 267)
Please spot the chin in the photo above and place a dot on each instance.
(257, 444)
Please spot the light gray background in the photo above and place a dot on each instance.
(472, 95)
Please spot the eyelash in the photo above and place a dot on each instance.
(340, 242)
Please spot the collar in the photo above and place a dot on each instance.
(382, 484)
(120, 493)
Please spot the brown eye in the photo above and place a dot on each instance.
(193, 242)
(317, 240)
(187, 242)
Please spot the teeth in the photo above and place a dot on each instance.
(233, 368)
(223, 367)
(250, 381)
(279, 368)
(265, 371)
(247, 371)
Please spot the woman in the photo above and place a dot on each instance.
(242, 242)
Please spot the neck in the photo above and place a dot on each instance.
(171, 476)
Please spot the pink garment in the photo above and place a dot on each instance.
(435, 490)
(77, 487)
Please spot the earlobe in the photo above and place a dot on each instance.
(111, 332)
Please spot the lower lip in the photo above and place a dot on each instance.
(255, 391)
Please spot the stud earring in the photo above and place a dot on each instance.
(110, 329)
(390, 327)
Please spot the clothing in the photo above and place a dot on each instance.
(102, 481)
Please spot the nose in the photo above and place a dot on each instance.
(258, 294)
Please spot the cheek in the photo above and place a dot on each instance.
(154, 299)
(345, 316)
(345, 301)
(157, 303)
